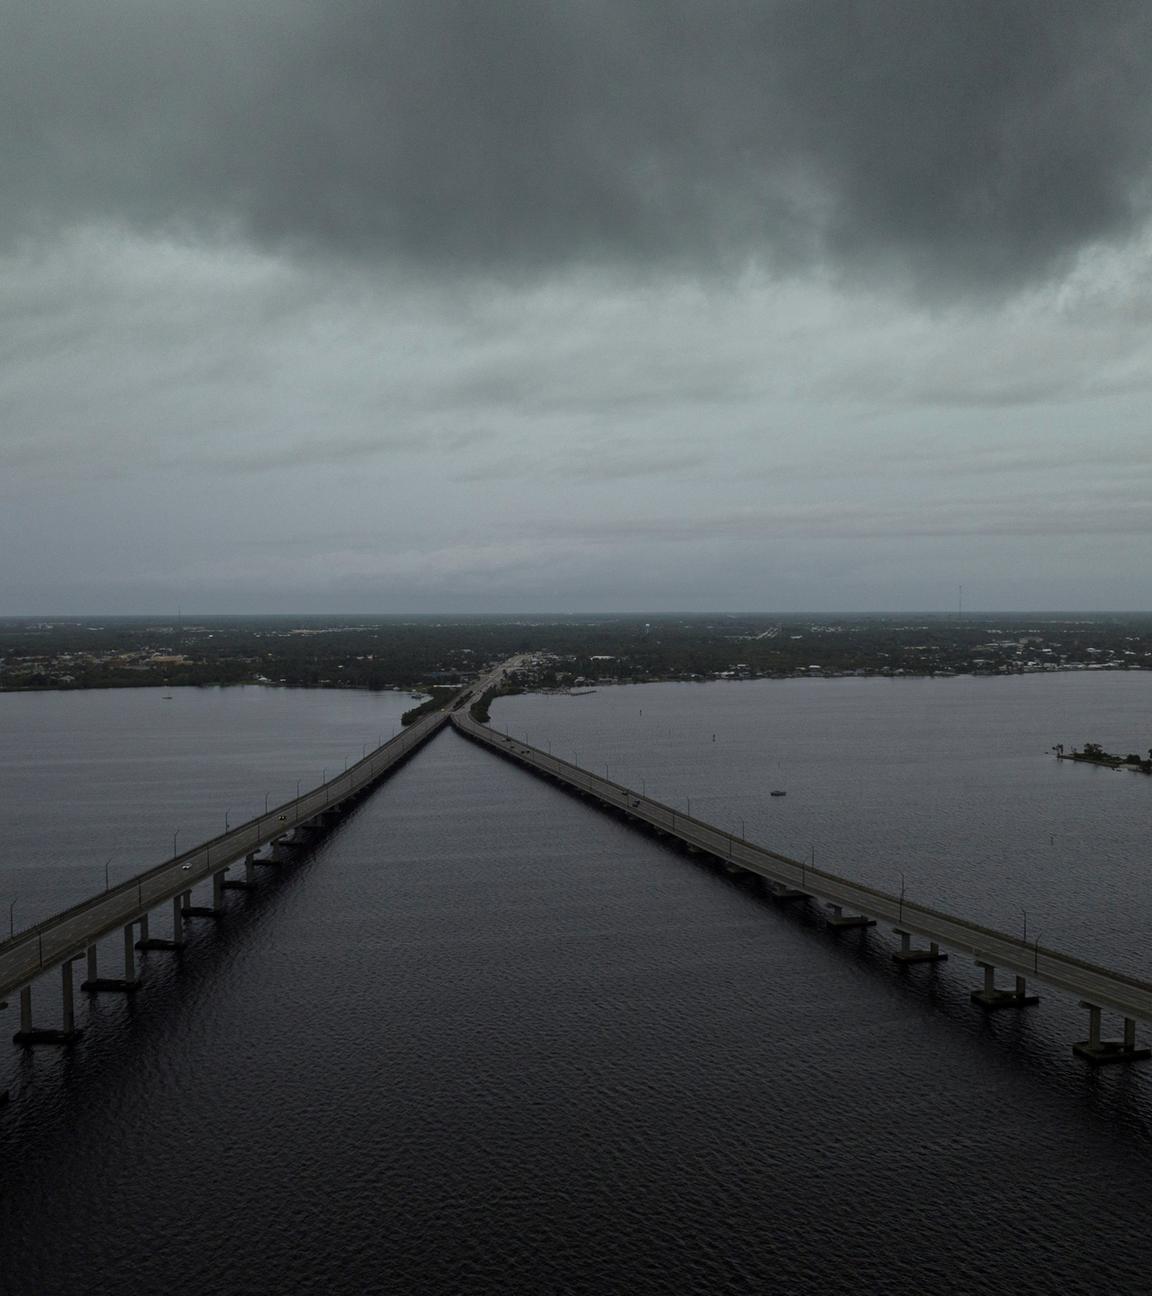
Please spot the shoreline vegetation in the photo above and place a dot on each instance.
(568, 653)
(229, 680)
(1094, 754)
(479, 709)
(440, 695)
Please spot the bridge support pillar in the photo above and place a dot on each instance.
(785, 894)
(1099, 1051)
(991, 997)
(215, 909)
(906, 954)
(67, 998)
(839, 920)
(29, 1034)
(95, 983)
(147, 942)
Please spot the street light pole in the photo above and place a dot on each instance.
(901, 897)
(11, 920)
(174, 836)
(1025, 913)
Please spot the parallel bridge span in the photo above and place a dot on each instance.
(62, 939)
(1097, 988)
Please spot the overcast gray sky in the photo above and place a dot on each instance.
(423, 305)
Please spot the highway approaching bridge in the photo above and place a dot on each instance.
(57, 943)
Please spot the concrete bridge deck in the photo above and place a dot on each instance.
(66, 936)
(1096, 987)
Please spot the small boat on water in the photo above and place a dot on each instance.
(778, 793)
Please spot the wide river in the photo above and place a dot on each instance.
(485, 1039)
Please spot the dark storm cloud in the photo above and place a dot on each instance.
(980, 142)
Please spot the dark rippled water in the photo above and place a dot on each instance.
(120, 776)
(947, 784)
(487, 1039)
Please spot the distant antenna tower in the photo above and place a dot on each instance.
(959, 600)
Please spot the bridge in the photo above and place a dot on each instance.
(64, 938)
(853, 904)
(58, 942)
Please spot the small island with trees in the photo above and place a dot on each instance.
(1094, 754)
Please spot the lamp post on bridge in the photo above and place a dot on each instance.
(901, 917)
(1025, 913)
(227, 825)
(174, 836)
(11, 920)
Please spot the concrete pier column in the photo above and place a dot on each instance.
(68, 998)
(906, 954)
(838, 919)
(1099, 1051)
(189, 910)
(177, 916)
(991, 997)
(93, 964)
(29, 1034)
(218, 889)
(150, 942)
(250, 868)
(95, 984)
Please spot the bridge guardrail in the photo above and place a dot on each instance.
(1120, 991)
(50, 941)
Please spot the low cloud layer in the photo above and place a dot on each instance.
(955, 146)
(591, 304)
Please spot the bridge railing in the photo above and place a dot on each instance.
(51, 940)
(1122, 991)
